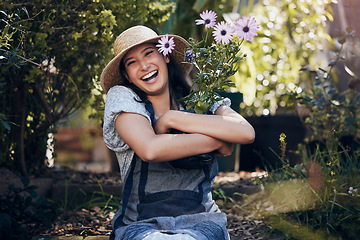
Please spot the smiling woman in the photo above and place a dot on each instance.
(145, 67)
(161, 200)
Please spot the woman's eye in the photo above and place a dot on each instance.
(149, 52)
(129, 63)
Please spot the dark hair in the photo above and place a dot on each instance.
(178, 86)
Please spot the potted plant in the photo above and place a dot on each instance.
(215, 60)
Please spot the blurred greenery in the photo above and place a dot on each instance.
(333, 115)
(182, 21)
(317, 196)
(81, 199)
(292, 35)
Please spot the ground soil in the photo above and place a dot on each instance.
(95, 222)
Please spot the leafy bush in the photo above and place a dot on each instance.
(51, 54)
(22, 212)
(334, 115)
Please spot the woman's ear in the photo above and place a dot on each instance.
(167, 59)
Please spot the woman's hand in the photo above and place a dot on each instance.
(226, 149)
(162, 123)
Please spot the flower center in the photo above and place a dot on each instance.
(246, 29)
(207, 21)
(167, 45)
(223, 32)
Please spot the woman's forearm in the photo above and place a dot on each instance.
(166, 147)
(226, 125)
(137, 132)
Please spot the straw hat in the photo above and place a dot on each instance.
(134, 36)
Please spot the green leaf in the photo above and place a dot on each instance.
(25, 10)
(198, 5)
(25, 181)
(6, 29)
(33, 187)
(332, 63)
(32, 193)
(6, 124)
(349, 71)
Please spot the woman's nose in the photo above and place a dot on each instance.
(144, 65)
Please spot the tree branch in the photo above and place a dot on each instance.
(44, 103)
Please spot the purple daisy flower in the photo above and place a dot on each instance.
(246, 28)
(208, 19)
(166, 45)
(223, 33)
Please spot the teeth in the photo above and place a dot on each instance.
(149, 75)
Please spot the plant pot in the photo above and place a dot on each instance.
(260, 154)
(231, 163)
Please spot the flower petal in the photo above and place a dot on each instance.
(208, 18)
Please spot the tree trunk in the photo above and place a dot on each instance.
(22, 162)
(19, 118)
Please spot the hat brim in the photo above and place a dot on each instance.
(111, 75)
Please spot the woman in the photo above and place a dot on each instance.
(161, 199)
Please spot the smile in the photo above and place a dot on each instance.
(150, 75)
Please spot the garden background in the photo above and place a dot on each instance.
(299, 87)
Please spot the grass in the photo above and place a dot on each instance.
(318, 197)
(83, 200)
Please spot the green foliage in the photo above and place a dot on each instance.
(181, 22)
(333, 114)
(221, 198)
(83, 200)
(292, 33)
(52, 53)
(7, 56)
(293, 230)
(214, 64)
(319, 195)
(20, 208)
(128, 13)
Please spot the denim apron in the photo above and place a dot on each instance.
(162, 197)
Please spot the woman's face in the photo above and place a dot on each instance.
(146, 68)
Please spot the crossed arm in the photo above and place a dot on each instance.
(207, 133)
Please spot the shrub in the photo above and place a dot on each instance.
(22, 212)
(51, 54)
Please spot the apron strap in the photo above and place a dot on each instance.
(126, 195)
(143, 178)
(150, 109)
